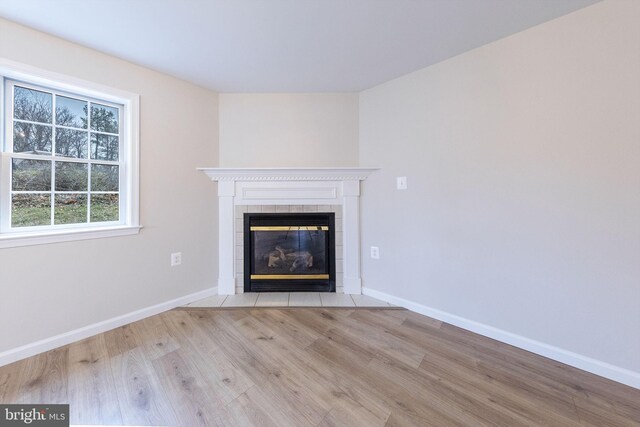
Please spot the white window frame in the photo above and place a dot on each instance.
(129, 173)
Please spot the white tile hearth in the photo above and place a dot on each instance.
(367, 301)
(273, 299)
(336, 300)
(289, 299)
(212, 301)
(305, 299)
(241, 300)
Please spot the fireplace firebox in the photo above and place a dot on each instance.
(289, 252)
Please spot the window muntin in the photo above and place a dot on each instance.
(66, 169)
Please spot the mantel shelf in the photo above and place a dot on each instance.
(288, 174)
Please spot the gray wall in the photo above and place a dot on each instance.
(284, 129)
(523, 163)
(51, 289)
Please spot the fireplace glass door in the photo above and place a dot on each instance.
(289, 252)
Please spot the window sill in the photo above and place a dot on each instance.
(42, 238)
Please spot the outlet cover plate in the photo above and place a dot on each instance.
(176, 259)
(375, 252)
(401, 182)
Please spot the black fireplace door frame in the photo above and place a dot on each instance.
(293, 219)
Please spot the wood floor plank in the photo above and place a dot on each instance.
(297, 395)
(309, 367)
(10, 381)
(320, 376)
(194, 404)
(350, 413)
(532, 368)
(263, 371)
(187, 333)
(348, 370)
(224, 377)
(406, 419)
(456, 368)
(309, 318)
(92, 393)
(366, 386)
(448, 398)
(300, 335)
(603, 414)
(269, 400)
(314, 377)
(153, 335)
(121, 340)
(392, 316)
(233, 379)
(254, 408)
(44, 378)
(472, 396)
(379, 342)
(141, 397)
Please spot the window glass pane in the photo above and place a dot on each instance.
(32, 105)
(30, 210)
(31, 175)
(71, 176)
(31, 138)
(104, 119)
(70, 209)
(104, 207)
(72, 143)
(104, 178)
(104, 147)
(63, 163)
(71, 112)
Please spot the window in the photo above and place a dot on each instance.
(69, 162)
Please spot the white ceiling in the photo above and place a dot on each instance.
(285, 45)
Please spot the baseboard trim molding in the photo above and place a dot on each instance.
(28, 350)
(594, 366)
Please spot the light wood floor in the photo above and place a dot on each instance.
(309, 367)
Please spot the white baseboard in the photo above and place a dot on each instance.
(28, 350)
(612, 372)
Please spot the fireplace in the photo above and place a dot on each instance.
(289, 252)
(271, 190)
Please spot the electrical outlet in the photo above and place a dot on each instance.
(176, 259)
(401, 182)
(375, 252)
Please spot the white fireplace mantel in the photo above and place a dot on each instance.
(288, 186)
(287, 174)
